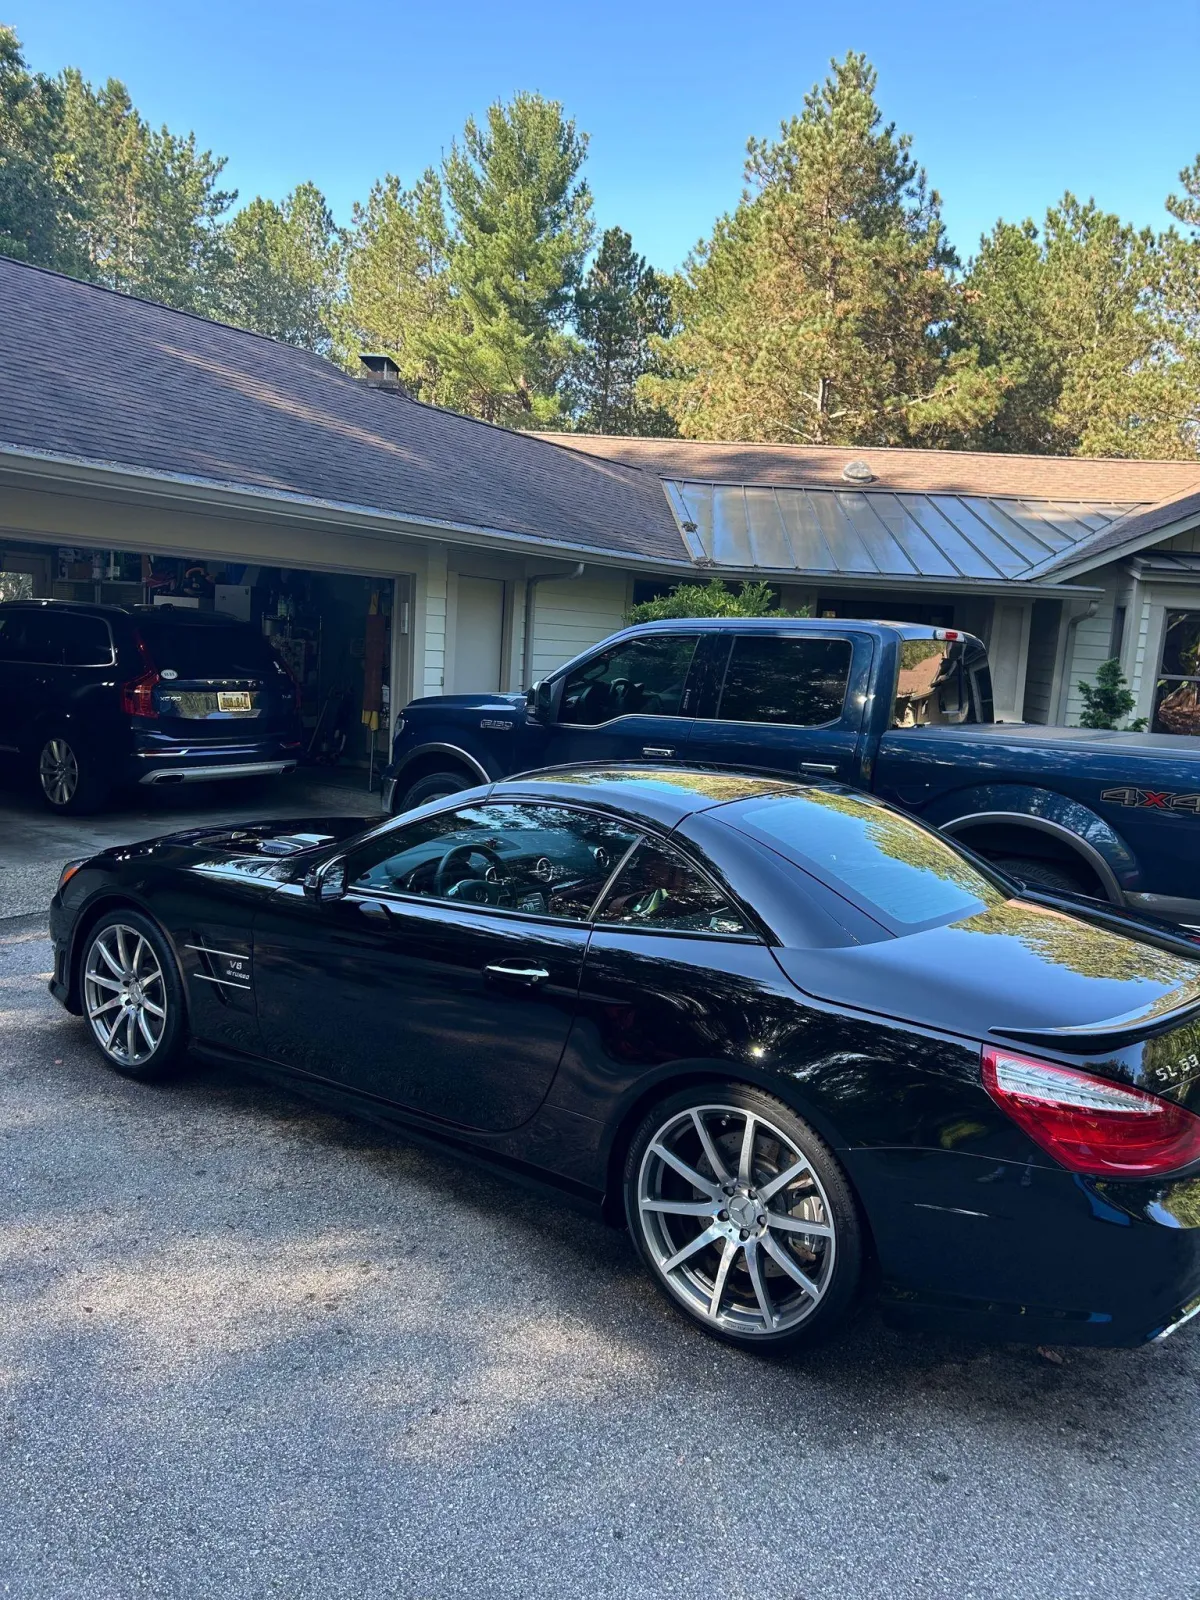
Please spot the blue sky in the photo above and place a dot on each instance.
(1009, 103)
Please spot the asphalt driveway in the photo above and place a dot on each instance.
(250, 1348)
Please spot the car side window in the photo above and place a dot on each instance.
(794, 680)
(644, 677)
(86, 642)
(541, 860)
(12, 636)
(657, 888)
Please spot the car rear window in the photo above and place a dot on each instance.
(901, 874)
(205, 649)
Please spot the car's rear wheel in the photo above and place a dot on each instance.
(132, 995)
(433, 786)
(744, 1217)
(69, 776)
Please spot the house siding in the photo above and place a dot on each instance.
(572, 614)
(1043, 653)
(1092, 647)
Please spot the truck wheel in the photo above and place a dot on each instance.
(433, 786)
(1051, 875)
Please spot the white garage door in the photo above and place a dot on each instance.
(479, 635)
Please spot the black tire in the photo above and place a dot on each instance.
(746, 1276)
(156, 1050)
(433, 786)
(1052, 875)
(68, 774)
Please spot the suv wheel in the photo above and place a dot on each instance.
(433, 786)
(68, 776)
(744, 1217)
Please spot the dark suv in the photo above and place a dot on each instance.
(92, 697)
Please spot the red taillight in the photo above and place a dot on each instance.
(137, 696)
(1089, 1124)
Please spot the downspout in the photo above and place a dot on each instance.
(530, 606)
(1064, 687)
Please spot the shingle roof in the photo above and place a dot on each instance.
(92, 374)
(1092, 479)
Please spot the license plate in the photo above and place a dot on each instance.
(233, 700)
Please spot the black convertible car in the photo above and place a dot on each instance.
(801, 1044)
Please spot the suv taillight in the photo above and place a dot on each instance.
(137, 696)
(1089, 1124)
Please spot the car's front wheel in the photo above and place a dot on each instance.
(132, 995)
(69, 776)
(744, 1217)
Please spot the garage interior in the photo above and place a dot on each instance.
(334, 630)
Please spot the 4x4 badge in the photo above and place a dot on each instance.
(1152, 800)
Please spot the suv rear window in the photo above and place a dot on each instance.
(205, 649)
(897, 872)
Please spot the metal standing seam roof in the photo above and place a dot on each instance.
(881, 533)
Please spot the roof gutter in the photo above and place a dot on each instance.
(211, 497)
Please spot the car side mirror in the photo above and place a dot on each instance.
(539, 701)
(327, 882)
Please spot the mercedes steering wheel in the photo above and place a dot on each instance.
(450, 862)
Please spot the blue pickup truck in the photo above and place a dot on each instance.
(900, 710)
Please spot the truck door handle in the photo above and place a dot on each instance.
(529, 976)
(658, 749)
(817, 766)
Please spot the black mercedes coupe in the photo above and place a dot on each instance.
(803, 1046)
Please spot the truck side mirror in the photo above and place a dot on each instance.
(539, 701)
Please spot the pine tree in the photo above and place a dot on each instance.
(35, 203)
(818, 310)
(1084, 322)
(1108, 700)
(397, 284)
(522, 227)
(282, 275)
(148, 206)
(619, 307)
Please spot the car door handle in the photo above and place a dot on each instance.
(375, 909)
(526, 975)
(817, 766)
(658, 749)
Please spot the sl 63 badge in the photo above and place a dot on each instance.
(1152, 800)
(1177, 1071)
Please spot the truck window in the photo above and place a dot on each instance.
(773, 678)
(942, 681)
(639, 677)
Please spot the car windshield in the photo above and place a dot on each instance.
(901, 874)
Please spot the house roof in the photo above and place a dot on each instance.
(967, 472)
(848, 533)
(96, 376)
(94, 381)
(939, 514)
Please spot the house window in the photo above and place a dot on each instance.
(1118, 631)
(1177, 688)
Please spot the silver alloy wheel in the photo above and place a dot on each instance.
(124, 994)
(58, 772)
(736, 1220)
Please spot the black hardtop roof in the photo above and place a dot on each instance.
(821, 625)
(662, 796)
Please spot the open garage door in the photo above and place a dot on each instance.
(339, 633)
